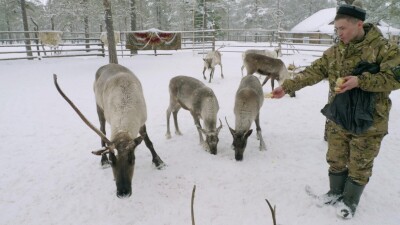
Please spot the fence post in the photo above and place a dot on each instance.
(213, 41)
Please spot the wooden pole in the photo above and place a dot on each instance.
(112, 50)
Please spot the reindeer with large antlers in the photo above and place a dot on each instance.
(121, 103)
(191, 94)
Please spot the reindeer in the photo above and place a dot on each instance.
(191, 94)
(120, 102)
(212, 59)
(248, 101)
(267, 66)
(273, 54)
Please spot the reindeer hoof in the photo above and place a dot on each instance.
(168, 135)
(105, 165)
(159, 163)
(178, 133)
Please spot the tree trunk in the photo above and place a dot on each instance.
(112, 51)
(86, 24)
(158, 14)
(133, 20)
(9, 30)
(26, 29)
(52, 23)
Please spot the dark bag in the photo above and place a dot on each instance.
(353, 109)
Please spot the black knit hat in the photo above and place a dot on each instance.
(353, 11)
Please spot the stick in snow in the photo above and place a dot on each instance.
(192, 210)
(273, 211)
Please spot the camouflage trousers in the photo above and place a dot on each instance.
(355, 153)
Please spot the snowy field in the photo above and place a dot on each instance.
(49, 176)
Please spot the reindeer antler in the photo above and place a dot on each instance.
(110, 145)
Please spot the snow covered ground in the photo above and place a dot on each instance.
(49, 176)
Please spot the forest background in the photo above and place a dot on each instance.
(177, 15)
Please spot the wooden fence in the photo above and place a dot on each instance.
(13, 45)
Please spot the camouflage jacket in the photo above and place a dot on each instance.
(339, 61)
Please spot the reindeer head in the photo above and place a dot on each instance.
(207, 62)
(239, 141)
(211, 138)
(122, 161)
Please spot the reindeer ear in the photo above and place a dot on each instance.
(135, 142)
(248, 133)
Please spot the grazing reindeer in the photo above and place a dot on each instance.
(191, 94)
(120, 102)
(248, 101)
(267, 66)
(273, 54)
(212, 59)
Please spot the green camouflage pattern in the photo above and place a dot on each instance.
(353, 153)
(346, 150)
(340, 60)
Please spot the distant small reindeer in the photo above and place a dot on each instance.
(248, 102)
(270, 67)
(212, 59)
(191, 94)
(273, 54)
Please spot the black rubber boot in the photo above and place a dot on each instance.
(337, 183)
(351, 197)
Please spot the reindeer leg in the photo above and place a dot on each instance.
(175, 114)
(104, 159)
(156, 159)
(272, 83)
(242, 69)
(197, 123)
(259, 134)
(211, 74)
(266, 79)
(168, 134)
(222, 75)
(204, 76)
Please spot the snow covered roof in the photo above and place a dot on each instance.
(322, 21)
(318, 22)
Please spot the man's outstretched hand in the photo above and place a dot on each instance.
(278, 92)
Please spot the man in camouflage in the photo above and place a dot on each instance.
(350, 156)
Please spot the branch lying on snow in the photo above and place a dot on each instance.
(192, 210)
(273, 211)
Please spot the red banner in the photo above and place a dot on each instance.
(153, 39)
